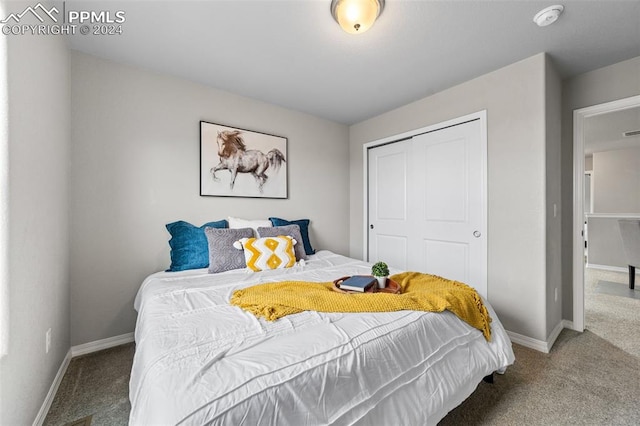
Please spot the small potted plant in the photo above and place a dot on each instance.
(380, 270)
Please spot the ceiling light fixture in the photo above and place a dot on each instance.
(548, 15)
(356, 16)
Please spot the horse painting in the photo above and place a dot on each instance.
(235, 157)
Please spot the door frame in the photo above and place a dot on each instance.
(481, 116)
(579, 118)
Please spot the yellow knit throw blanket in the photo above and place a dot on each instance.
(420, 292)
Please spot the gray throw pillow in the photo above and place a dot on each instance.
(292, 231)
(223, 256)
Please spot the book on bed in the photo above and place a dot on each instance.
(360, 283)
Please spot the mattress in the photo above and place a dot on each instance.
(200, 360)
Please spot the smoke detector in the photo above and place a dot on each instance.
(548, 15)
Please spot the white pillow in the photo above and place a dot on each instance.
(237, 223)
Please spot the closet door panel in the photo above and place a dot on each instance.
(389, 230)
(449, 208)
(426, 204)
(445, 181)
(393, 250)
(444, 258)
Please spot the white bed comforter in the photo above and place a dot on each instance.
(201, 361)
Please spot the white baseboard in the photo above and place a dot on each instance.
(98, 345)
(611, 268)
(44, 409)
(569, 324)
(554, 335)
(528, 342)
(541, 345)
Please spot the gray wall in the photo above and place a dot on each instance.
(38, 79)
(514, 98)
(616, 181)
(611, 83)
(135, 156)
(553, 111)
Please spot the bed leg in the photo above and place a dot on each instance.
(489, 378)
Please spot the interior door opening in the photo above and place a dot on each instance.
(603, 167)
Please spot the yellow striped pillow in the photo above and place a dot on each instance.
(268, 252)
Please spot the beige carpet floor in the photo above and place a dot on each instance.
(95, 385)
(590, 378)
(614, 318)
(585, 380)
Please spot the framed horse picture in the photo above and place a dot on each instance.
(237, 162)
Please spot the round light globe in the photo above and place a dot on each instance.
(356, 16)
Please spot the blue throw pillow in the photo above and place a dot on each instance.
(304, 230)
(189, 246)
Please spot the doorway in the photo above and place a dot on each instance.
(597, 244)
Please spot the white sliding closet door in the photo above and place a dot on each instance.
(449, 209)
(389, 224)
(427, 204)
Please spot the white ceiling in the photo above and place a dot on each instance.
(293, 54)
(604, 132)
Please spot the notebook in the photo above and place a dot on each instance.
(358, 283)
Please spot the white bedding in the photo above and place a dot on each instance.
(200, 360)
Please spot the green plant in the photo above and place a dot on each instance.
(380, 269)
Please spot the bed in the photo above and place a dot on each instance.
(200, 360)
